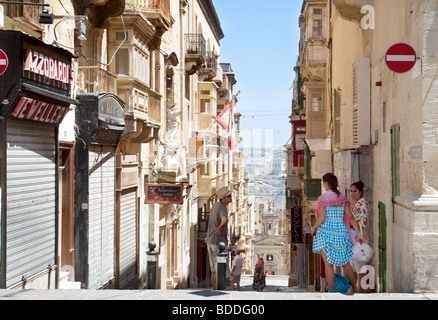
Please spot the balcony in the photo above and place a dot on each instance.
(156, 11)
(195, 51)
(209, 68)
(97, 80)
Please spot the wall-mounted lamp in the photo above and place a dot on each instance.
(82, 30)
(46, 17)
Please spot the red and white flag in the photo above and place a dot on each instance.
(225, 117)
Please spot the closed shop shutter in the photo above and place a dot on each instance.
(31, 199)
(101, 216)
(128, 236)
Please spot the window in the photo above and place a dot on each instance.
(141, 62)
(317, 11)
(122, 61)
(205, 106)
(316, 102)
(317, 28)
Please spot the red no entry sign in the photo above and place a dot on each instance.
(400, 58)
(3, 62)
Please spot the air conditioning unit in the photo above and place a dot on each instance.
(362, 102)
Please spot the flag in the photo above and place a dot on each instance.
(225, 117)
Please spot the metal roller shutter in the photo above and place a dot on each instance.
(128, 236)
(101, 216)
(31, 200)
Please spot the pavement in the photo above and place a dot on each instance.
(276, 289)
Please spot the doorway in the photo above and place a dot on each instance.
(382, 247)
(66, 176)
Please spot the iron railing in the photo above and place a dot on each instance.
(195, 44)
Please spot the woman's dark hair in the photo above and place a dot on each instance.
(359, 185)
(332, 181)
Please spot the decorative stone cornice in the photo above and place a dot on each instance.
(212, 18)
(98, 11)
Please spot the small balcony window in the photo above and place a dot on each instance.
(122, 62)
(317, 28)
(316, 102)
(205, 106)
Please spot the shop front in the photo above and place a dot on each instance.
(35, 87)
(100, 121)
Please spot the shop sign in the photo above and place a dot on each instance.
(196, 148)
(163, 194)
(166, 176)
(296, 218)
(111, 110)
(31, 109)
(40, 64)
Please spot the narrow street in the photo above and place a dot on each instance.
(276, 289)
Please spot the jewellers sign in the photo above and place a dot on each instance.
(48, 67)
(36, 79)
(36, 110)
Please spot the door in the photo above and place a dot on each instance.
(66, 204)
(101, 234)
(382, 247)
(30, 222)
(127, 238)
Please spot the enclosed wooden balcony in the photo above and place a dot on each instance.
(94, 79)
(156, 11)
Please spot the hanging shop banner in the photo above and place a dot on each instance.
(163, 194)
(296, 217)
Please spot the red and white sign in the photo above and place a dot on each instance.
(46, 66)
(3, 62)
(400, 58)
(36, 110)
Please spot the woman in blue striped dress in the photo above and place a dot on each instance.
(332, 234)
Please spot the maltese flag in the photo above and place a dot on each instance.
(225, 117)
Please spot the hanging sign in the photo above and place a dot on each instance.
(166, 176)
(163, 193)
(296, 217)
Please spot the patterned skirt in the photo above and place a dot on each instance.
(333, 238)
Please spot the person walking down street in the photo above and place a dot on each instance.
(217, 230)
(360, 213)
(236, 270)
(259, 273)
(332, 231)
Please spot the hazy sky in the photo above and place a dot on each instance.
(261, 43)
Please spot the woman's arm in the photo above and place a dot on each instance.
(319, 220)
(353, 222)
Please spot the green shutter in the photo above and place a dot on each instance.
(395, 160)
(382, 247)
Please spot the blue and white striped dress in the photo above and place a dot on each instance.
(333, 237)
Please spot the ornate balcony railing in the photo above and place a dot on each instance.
(195, 44)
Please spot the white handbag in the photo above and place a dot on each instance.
(362, 252)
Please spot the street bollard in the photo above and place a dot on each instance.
(221, 275)
(152, 266)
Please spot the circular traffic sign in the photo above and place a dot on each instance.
(400, 58)
(3, 62)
